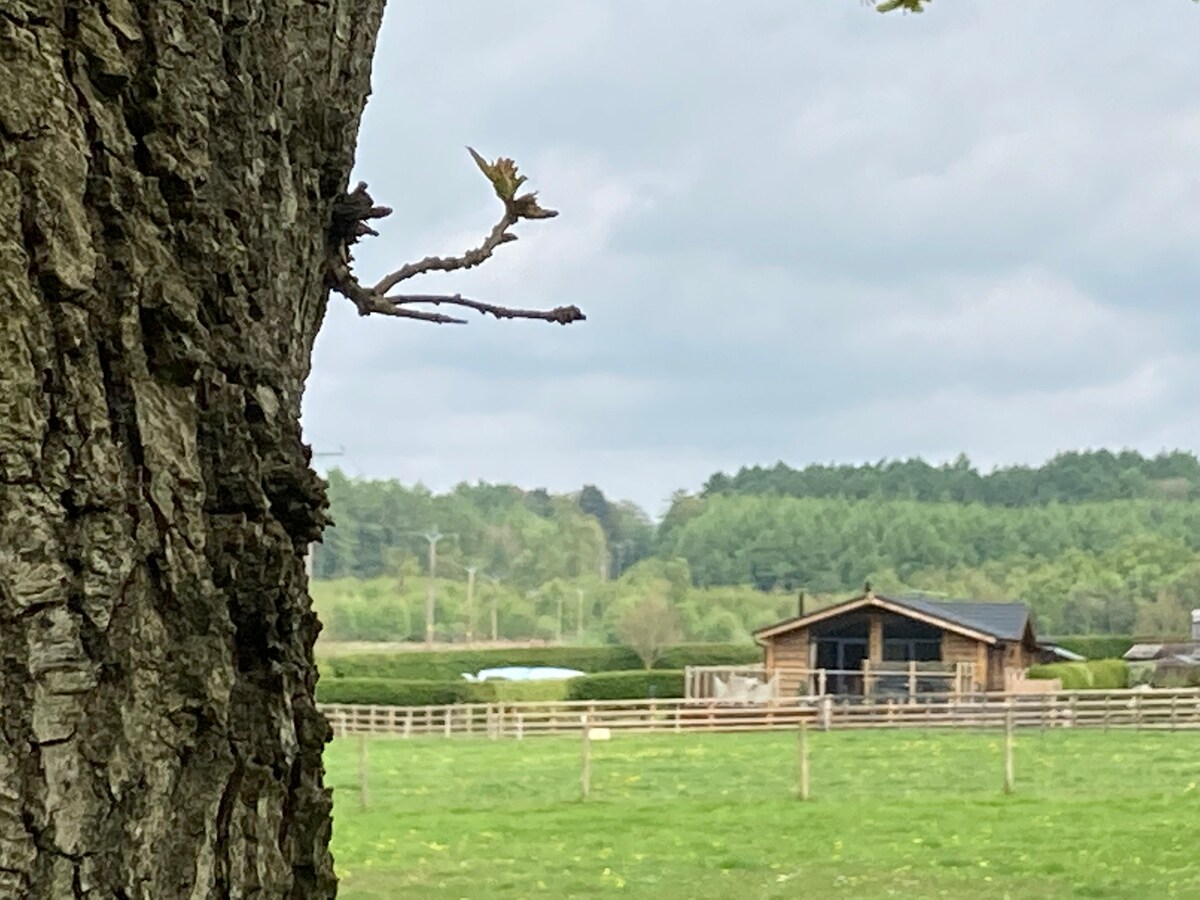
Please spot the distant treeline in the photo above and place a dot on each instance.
(829, 545)
(526, 537)
(1085, 477)
(1096, 542)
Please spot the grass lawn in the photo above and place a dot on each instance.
(893, 814)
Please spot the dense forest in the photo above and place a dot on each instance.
(1096, 542)
(1068, 478)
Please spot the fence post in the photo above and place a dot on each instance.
(408, 723)
(821, 682)
(364, 796)
(1008, 748)
(912, 681)
(520, 727)
(802, 760)
(585, 774)
(826, 712)
(1137, 712)
(343, 724)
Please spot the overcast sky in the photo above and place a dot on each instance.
(800, 231)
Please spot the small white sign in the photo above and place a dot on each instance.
(599, 734)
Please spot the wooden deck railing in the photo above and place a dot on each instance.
(698, 681)
(885, 679)
(1158, 709)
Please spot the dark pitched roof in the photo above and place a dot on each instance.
(1005, 621)
(999, 621)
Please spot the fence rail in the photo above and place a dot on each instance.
(1134, 709)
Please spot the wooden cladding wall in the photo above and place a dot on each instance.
(956, 649)
(787, 655)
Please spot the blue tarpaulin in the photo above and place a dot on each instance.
(523, 673)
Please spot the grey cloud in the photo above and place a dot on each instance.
(799, 230)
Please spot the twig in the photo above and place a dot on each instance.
(348, 224)
(499, 235)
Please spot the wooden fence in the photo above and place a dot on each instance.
(1132, 709)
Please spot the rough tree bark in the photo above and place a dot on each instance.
(167, 173)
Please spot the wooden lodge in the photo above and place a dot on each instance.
(879, 646)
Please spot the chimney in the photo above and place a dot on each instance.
(870, 594)
(800, 605)
(1196, 624)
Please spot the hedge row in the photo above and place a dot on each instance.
(1100, 674)
(627, 685)
(1097, 646)
(450, 665)
(398, 692)
(634, 685)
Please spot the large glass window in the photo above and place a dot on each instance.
(911, 649)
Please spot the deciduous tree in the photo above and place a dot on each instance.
(650, 626)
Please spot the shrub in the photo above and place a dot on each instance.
(1074, 676)
(1097, 646)
(1109, 673)
(528, 691)
(684, 655)
(1175, 677)
(451, 664)
(1097, 674)
(636, 685)
(1142, 673)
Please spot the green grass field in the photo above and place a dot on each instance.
(892, 814)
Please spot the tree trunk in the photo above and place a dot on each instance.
(167, 171)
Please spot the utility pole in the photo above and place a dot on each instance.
(536, 596)
(495, 606)
(470, 603)
(309, 550)
(579, 615)
(432, 537)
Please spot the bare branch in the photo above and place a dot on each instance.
(351, 213)
(563, 315)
